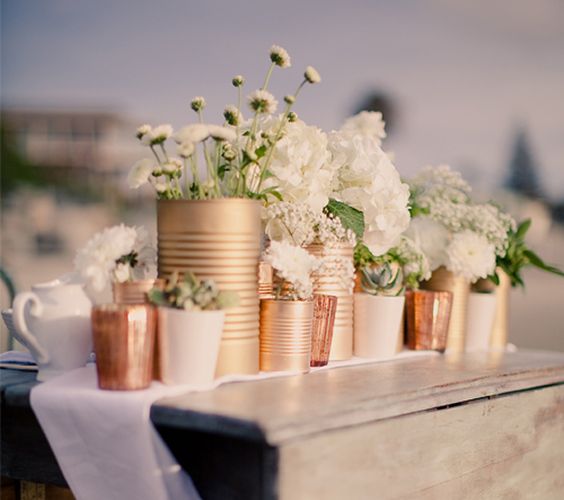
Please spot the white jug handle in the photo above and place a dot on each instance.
(22, 332)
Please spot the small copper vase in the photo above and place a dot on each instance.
(285, 335)
(324, 309)
(124, 338)
(428, 317)
(134, 292)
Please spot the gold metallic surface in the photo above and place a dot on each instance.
(328, 283)
(220, 240)
(427, 318)
(285, 335)
(324, 309)
(499, 337)
(124, 339)
(265, 280)
(443, 280)
(134, 292)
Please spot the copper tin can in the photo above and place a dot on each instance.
(265, 280)
(328, 283)
(285, 335)
(218, 239)
(134, 292)
(324, 309)
(427, 318)
(124, 339)
(443, 280)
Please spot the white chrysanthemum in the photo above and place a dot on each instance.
(470, 255)
(263, 101)
(312, 75)
(140, 172)
(192, 133)
(300, 167)
(185, 149)
(219, 133)
(367, 123)
(280, 56)
(368, 181)
(294, 265)
(431, 237)
(232, 115)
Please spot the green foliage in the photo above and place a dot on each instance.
(519, 256)
(350, 217)
(191, 294)
(382, 279)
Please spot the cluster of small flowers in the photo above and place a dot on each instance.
(340, 267)
(439, 183)
(298, 224)
(415, 264)
(488, 220)
(293, 265)
(118, 253)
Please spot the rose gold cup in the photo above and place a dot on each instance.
(428, 317)
(324, 309)
(124, 339)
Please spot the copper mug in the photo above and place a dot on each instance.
(427, 319)
(124, 340)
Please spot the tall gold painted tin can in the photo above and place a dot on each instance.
(218, 239)
(443, 280)
(327, 282)
(285, 335)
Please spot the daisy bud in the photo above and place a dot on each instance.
(238, 81)
(280, 56)
(312, 75)
(292, 117)
(198, 103)
(232, 115)
(289, 99)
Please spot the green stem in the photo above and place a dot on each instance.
(268, 75)
(164, 151)
(156, 155)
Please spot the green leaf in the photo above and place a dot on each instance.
(522, 229)
(260, 152)
(535, 260)
(350, 217)
(157, 297)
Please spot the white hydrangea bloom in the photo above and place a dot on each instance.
(471, 255)
(368, 123)
(301, 167)
(140, 173)
(368, 181)
(431, 237)
(294, 265)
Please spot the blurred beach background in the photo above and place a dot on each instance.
(474, 84)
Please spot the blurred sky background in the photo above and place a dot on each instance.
(463, 74)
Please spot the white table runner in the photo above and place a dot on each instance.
(104, 441)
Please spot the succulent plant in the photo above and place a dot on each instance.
(382, 279)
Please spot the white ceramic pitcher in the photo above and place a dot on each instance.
(53, 322)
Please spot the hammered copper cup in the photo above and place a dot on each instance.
(324, 309)
(428, 317)
(124, 339)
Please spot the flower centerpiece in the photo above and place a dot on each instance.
(460, 238)
(286, 319)
(191, 316)
(210, 180)
(380, 296)
(121, 256)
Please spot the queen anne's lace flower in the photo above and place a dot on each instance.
(368, 123)
(293, 265)
(263, 101)
(367, 180)
(471, 255)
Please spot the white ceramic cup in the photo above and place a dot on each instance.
(479, 321)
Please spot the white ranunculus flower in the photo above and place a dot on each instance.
(431, 237)
(471, 255)
(140, 172)
(367, 180)
(300, 166)
(368, 123)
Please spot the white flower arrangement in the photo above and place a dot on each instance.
(367, 180)
(454, 232)
(367, 123)
(236, 157)
(116, 254)
(293, 267)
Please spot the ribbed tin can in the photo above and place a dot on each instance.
(218, 239)
(285, 335)
(134, 292)
(443, 280)
(327, 282)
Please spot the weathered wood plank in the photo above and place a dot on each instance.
(505, 447)
(290, 408)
